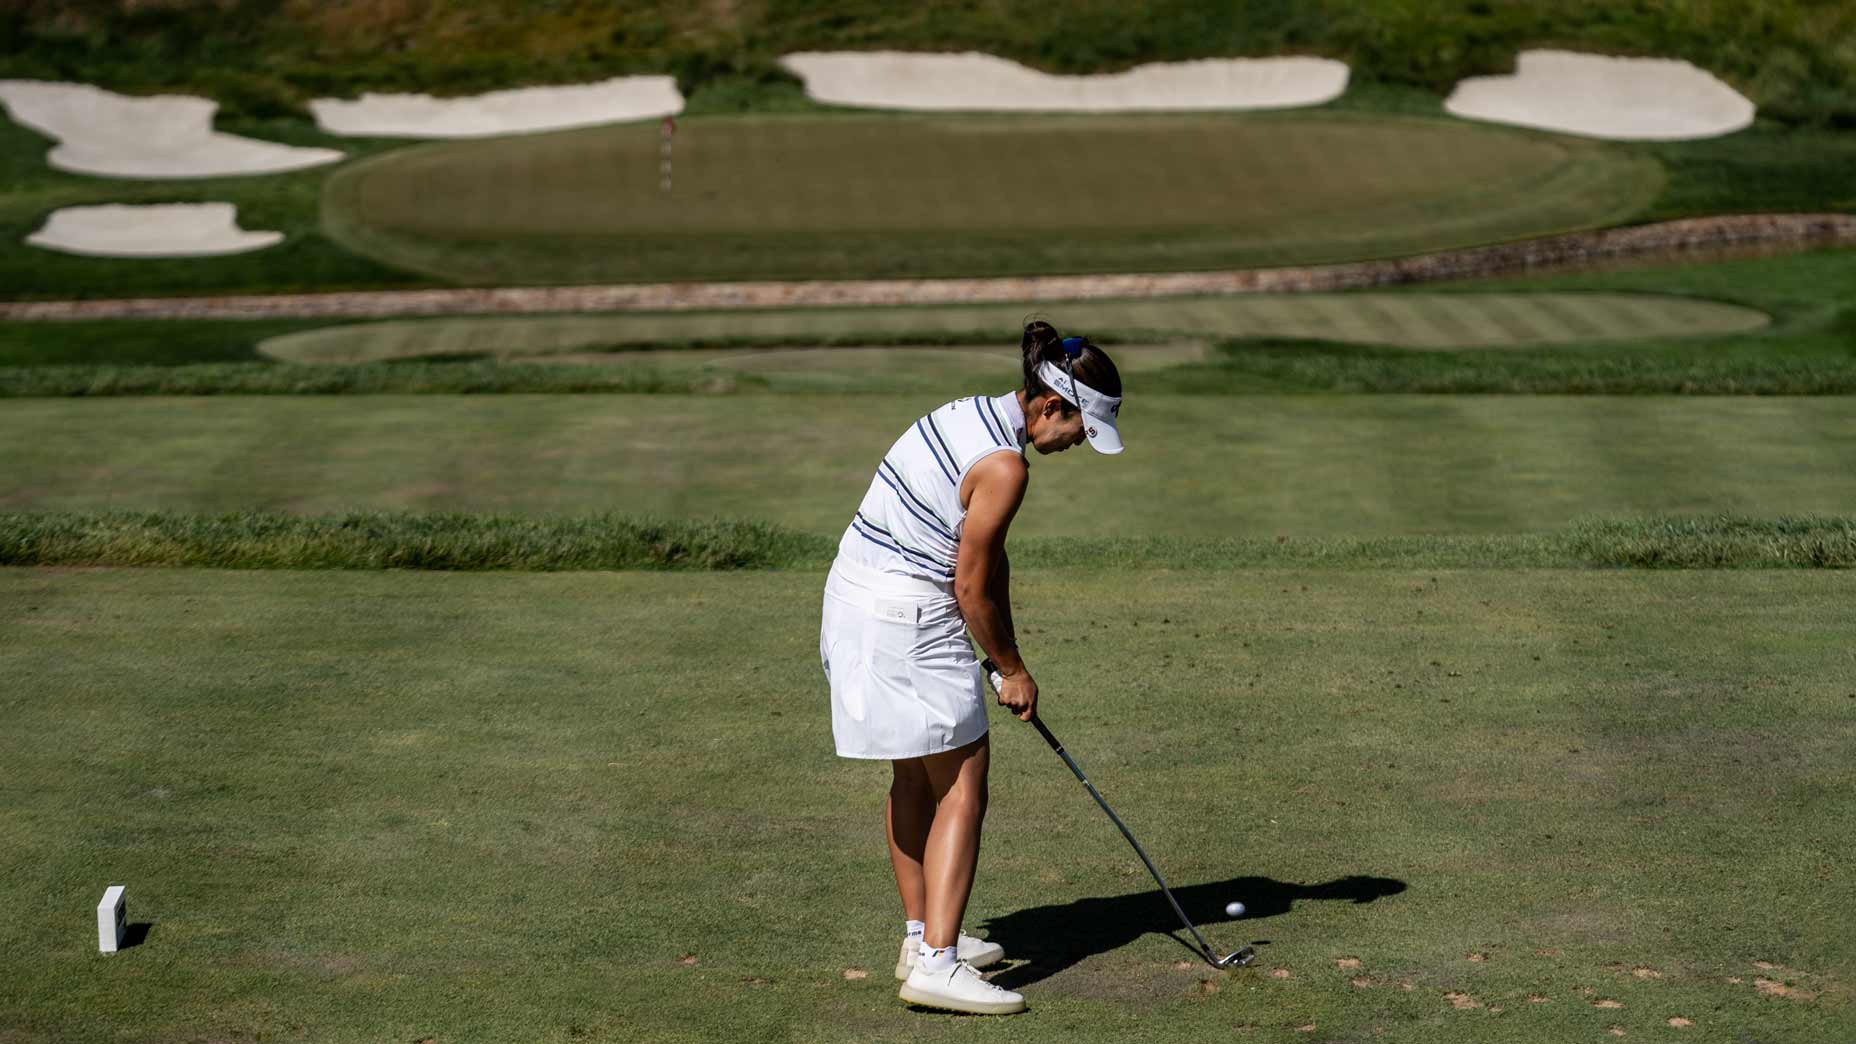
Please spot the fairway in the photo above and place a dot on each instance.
(1408, 320)
(1196, 466)
(860, 196)
(524, 807)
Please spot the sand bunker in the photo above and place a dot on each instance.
(1625, 99)
(162, 230)
(973, 81)
(522, 111)
(164, 136)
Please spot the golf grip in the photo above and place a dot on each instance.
(993, 675)
(998, 685)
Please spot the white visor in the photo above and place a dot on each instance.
(1099, 410)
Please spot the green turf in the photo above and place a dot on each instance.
(1809, 349)
(1410, 320)
(365, 807)
(831, 196)
(1197, 466)
(1762, 169)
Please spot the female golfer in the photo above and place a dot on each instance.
(922, 564)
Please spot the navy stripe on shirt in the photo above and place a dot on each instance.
(987, 421)
(1011, 434)
(945, 470)
(912, 502)
(936, 428)
(859, 523)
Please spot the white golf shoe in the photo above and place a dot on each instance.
(977, 952)
(960, 988)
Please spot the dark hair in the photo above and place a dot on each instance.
(1090, 365)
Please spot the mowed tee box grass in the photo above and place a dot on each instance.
(604, 805)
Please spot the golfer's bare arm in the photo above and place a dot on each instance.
(995, 488)
(1001, 590)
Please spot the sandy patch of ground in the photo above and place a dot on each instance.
(1598, 96)
(524, 110)
(159, 230)
(971, 81)
(162, 136)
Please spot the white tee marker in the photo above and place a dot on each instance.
(112, 920)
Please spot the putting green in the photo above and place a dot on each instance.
(857, 196)
(1410, 320)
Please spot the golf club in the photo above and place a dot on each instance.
(1236, 959)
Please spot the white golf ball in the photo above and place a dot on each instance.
(1234, 910)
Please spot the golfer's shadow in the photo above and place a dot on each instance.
(1051, 938)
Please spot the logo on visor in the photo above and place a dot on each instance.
(1115, 410)
(1092, 432)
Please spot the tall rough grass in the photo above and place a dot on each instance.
(397, 540)
(262, 57)
(458, 541)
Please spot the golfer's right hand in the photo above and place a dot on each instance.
(1020, 693)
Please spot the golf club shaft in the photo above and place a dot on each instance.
(1204, 946)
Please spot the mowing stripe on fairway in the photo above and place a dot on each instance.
(1197, 466)
(1411, 320)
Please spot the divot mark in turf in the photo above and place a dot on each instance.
(1360, 982)
(1616, 1031)
(1535, 998)
(1205, 988)
(1681, 1023)
(688, 960)
(853, 974)
(1347, 962)
(1280, 973)
(1607, 1003)
(1478, 957)
(1309, 1028)
(1772, 988)
(1462, 1001)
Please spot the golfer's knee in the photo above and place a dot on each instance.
(965, 798)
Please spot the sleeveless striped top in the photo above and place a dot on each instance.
(910, 519)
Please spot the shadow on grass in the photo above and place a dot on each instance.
(1052, 938)
(135, 934)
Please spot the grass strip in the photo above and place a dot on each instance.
(605, 541)
(1816, 363)
(435, 377)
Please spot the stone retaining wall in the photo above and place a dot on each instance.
(1667, 241)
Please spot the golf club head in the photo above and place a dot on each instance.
(1235, 960)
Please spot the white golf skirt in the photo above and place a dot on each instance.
(904, 680)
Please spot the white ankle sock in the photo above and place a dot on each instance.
(933, 960)
(914, 929)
